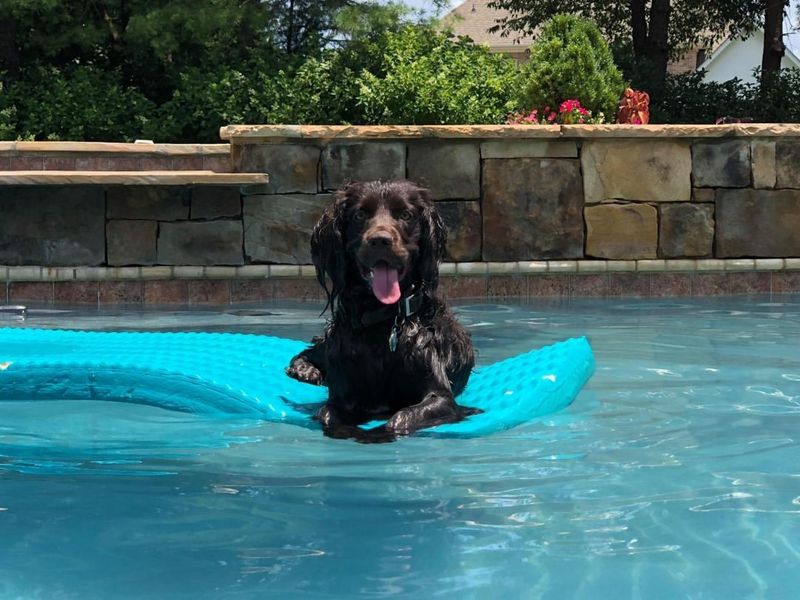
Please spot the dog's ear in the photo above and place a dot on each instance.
(328, 245)
(432, 241)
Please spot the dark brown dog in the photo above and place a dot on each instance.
(392, 349)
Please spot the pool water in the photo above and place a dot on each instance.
(675, 474)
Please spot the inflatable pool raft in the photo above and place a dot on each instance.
(226, 374)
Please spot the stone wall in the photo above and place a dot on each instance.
(572, 210)
(563, 192)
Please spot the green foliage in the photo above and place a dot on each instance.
(778, 97)
(162, 69)
(122, 69)
(774, 97)
(688, 99)
(206, 100)
(78, 104)
(571, 60)
(325, 89)
(428, 77)
(8, 117)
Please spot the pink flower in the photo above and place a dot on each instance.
(570, 106)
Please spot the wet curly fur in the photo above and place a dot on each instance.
(415, 385)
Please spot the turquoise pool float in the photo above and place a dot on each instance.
(230, 374)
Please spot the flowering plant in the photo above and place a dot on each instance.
(634, 108)
(570, 112)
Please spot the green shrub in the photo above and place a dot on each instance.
(206, 100)
(689, 99)
(414, 75)
(427, 77)
(777, 99)
(78, 104)
(8, 117)
(571, 60)
(323, 90)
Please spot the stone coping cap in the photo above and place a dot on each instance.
(145, 149)
(249, 134)
(129, 178)
(479, 269)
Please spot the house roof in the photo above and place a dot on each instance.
(474, 18)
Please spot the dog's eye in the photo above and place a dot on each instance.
(359, 216)
(406, 215)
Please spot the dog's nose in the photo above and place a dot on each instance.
(379, 239)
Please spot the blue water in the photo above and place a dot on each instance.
(675, 473)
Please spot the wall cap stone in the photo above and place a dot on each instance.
(133, 178)
(254, 134)
(18, 148)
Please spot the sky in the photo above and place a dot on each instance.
(427, 3)
(793, 20)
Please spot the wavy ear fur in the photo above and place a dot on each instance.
(432, 242)
(328, 247)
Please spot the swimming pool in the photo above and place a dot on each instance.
(674, 474)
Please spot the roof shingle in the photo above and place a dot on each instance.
(474, 18)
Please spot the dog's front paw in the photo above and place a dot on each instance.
(402, 422)
(304, 371)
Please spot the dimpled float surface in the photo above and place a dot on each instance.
(233, 374)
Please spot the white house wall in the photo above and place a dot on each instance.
(738, 58)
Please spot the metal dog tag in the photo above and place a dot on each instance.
(393, 339)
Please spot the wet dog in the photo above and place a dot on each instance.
(392, 349)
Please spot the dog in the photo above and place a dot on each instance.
(392, 349)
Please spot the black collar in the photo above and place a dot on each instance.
(401, 310)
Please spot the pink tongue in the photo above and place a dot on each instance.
(385, 285)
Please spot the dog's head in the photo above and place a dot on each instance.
(383, 236)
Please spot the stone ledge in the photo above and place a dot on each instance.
(145, 149)
(254, 134)
(462, 269)
(741, 130)
(180, 178)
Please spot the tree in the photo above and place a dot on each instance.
(150, 42)
(153, 42)
(654, 29)
(774, 48)
(570, 60)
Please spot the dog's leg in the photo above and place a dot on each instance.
(437, 406)
(309, 365)
(435, 409)
(334, 426)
